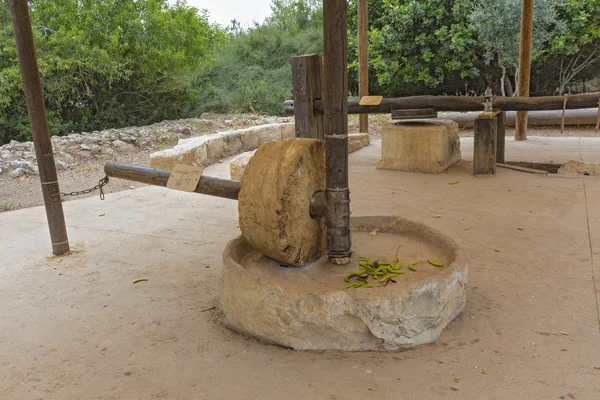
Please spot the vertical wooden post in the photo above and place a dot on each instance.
(484, 148)
(306, 82)
(500, 136)
(363, 59)
(335, 80)
(524, 65)
(34, 97)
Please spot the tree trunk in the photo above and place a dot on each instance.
(502, 81)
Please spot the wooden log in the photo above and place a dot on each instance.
(363, 60)
(524, 64)
(306, 81)
(225, 188)
(218, 187)
(335, 50)
(500, 136)
(40, 133)
(464, 103)
(484, 147)
(414, 114)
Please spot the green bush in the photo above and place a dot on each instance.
(108, 63)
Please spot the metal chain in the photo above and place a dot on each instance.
(101, 183)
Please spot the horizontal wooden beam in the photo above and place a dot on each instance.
(465, 103)
(218, 187)
(225, 188)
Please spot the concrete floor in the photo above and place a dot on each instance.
(76, 327)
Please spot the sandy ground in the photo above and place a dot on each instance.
(24, 192)
(76, 327)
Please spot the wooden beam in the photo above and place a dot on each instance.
(335, 79)
(464, 103)
(218, 187)
(524, 65)
(34, 97)
(306, 82)
(484, 147)
(363, 59)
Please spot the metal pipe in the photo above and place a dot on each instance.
(335, 79)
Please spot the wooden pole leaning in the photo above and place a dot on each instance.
(524, 65)
(40, 133)
(335, 80)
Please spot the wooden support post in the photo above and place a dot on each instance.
(484, 148)
(306, 82)
(524, 65)
(363, 59)
(34, 97)
(501, 136)
(335, 79)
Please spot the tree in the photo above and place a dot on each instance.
(109, 63)
(577, 45)
(498, 28)
(419, 43)
(253, 72)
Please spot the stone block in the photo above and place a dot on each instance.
(269, 133)
(357, 141)
(428, 146)
(238, 165)
(189, 153)
(288, 131)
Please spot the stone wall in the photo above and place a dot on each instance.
(209, 149)
(18, 159)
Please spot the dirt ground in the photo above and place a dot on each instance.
(76, 327)
(24, 192)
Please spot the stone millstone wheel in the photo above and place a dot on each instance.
(274, 200)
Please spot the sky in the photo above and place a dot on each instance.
(244, 11)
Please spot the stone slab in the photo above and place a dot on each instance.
(425, 145)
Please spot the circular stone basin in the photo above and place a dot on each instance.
(307, 308)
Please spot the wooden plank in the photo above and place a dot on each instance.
(335, 78)
(484, 148)
(306, 82)
(40, 133)
(524, 64)
(218, 187)
(414, 114)
(500, 136)
(363, 60)
(522, 169)
(464, 103)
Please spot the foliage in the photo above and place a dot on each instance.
(108, 63)
(422, 44)
(500, 40)
(112, 63)
(252, 71)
